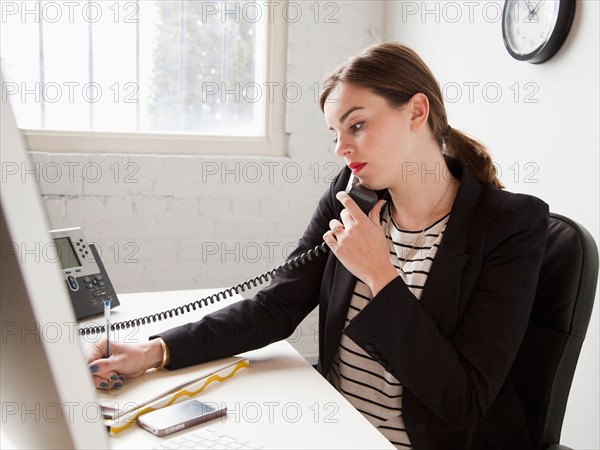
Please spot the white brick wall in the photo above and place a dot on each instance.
(164, 222)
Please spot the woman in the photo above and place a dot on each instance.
(423, 302)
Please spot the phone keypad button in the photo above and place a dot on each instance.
(72, 282)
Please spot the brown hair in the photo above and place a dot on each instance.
(396, 73)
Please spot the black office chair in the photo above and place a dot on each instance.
(558, 324)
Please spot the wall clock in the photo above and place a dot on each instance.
(534, 30)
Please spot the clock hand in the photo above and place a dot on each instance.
(529, 11)
(530, 5)
(533, 11)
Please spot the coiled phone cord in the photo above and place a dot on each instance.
(253, 282)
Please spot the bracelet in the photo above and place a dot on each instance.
(164, 354)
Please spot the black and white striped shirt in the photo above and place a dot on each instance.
(376, 393)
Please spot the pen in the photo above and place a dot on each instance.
(107, 317)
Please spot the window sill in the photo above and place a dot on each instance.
(154, 143)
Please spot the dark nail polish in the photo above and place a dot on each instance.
(118, 384)
(121, 377)
(104, 385)
(114, 377)
(94, 368)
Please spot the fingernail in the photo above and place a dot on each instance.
(114, 377)
(94, 368)
(118, 384)
(104, 385)
(122, 378)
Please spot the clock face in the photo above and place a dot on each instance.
(528, 25)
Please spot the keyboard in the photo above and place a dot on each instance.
(208, 438)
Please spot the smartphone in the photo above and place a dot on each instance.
(179, 416)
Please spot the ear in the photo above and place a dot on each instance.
(419, 110)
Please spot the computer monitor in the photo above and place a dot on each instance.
(47, 396)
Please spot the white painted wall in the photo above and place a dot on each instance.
(549, 132)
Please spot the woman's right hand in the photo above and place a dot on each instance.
(125, 361)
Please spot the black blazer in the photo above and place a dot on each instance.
(452, 350)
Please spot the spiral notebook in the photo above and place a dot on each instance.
(160, 388)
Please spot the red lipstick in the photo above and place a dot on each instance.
(356, 167)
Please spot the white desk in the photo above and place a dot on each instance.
(280, 401)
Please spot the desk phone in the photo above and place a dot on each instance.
(84, 273)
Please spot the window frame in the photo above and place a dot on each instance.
(273, 143)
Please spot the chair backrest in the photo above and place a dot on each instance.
(544, 367)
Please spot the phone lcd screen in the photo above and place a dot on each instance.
(66, 255)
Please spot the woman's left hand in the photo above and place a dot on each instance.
(359, 242)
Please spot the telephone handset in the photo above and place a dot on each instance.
(364, 198)
(85, 275)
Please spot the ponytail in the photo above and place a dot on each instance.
(472, 154)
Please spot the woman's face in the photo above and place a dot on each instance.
(374, 139)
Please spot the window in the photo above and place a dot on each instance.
(146, 76)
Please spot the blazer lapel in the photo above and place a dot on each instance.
(452, 256)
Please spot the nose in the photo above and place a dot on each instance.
(343, 147)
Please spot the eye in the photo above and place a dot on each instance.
(357, 126)
(335, 139)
